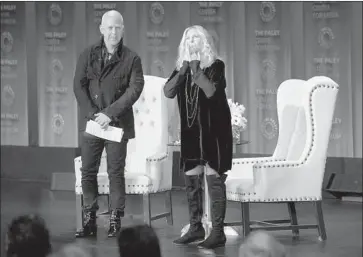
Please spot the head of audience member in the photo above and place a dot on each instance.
(112, 28)
(27, 236)
(71, 250)
(196, 40)
(261, 244)
(138, 240)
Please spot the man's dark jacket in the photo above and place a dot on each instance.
(111, 90)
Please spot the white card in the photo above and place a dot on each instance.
(110, 133)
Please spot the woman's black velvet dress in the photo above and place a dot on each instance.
(207, 139)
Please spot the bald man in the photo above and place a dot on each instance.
(107, 82)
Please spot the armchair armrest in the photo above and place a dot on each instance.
(243, 167)
(277, 164)
(157, 157)
(255, 160)
(158, 170)
(286, 180)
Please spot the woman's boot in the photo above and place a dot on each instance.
(195, 201)
(217, 192)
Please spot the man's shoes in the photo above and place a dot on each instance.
(115, 223)
(89, 228)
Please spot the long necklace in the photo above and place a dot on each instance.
(192, 99)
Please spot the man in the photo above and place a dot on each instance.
(108, 81)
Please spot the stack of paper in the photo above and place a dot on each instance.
(110, 133)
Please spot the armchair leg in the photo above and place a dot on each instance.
(169, 207)
(79, 212)
(321, 223)
(246, 218)
(147, 209)
(293, 218)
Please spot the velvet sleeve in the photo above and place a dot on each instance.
(175, 80)
(215, 80)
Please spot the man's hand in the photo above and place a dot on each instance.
(102, 119)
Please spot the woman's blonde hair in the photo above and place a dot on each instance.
(209, 53)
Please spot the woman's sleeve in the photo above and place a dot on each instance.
(175, 80)
(216, 81)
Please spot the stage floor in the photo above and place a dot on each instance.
(343, 223)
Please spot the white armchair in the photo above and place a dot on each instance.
(147, 169)
(295, 171)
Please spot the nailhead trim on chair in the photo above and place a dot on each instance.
(233, 196)
(156, 159)
(134, 191)
(313, 130)
(257, 161)
(136, 185)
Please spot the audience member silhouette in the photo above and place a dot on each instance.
(140, 241)
(27, 236)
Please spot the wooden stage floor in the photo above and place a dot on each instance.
(343, 223)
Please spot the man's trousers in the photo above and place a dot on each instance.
(92, 148)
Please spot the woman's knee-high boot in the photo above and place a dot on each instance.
(195, 201)
(217, 192)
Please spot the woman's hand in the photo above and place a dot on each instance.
(187, 54)
(195, 56)
(195, 62)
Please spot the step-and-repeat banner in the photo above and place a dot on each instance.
(56, 63)
(214, 16)
(268, 61)
(14, 88)
(254, 40)
(327, 30)
(160, 29)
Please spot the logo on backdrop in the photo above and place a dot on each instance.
(7, 95)
(156, 13)
(326, 37)
(7, 42)
(55, 14)
(57, 69)
(336, 129)
(324, 69)
(268, 70)
(269, 128)
(267, 11)
(214, 36)
(57, 124)
(158, 68)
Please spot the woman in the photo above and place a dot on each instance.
(199, 83)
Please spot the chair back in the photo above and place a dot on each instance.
(305, 112)
(151, 125)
